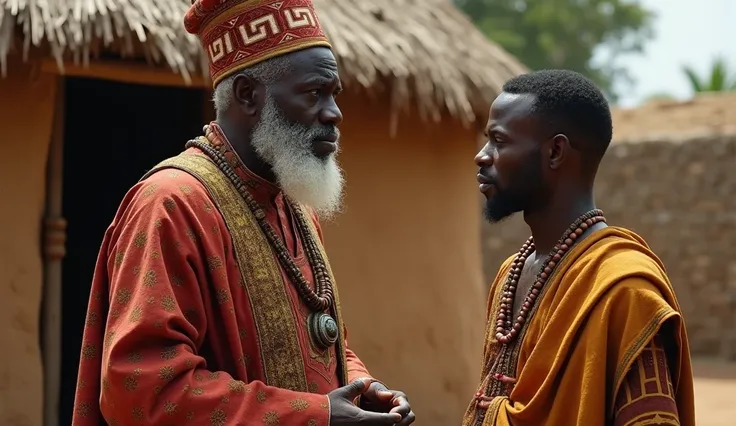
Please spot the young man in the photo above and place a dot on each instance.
(583, 325)
(213, 302)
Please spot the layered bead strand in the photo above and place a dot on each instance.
(321, 297)
(506, 330)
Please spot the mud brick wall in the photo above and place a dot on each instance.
(680, 195)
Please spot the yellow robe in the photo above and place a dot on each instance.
(604, 303)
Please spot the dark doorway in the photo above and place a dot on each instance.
(114, 133)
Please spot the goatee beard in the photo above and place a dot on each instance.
(527, 192)
(304, 177)
(498, 208)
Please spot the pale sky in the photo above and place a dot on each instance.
(686, 32)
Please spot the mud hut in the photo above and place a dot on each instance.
(93, 94)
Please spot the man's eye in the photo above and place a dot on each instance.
(314, 92)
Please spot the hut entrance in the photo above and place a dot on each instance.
(113, 133)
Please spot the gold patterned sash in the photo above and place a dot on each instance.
(278, 341)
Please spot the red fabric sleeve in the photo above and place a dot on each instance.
(151, 371)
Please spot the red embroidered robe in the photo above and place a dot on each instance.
(172, 337)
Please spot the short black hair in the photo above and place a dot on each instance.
(572, 104)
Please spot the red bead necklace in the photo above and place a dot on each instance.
(506, 331)
(318, 299)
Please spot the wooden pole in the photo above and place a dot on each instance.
(54, 250)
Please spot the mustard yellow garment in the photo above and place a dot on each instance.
(607, 299)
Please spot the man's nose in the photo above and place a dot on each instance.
(331, 114)
(483, 158)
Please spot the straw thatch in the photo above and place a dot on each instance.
(426, 50)
(706, 115)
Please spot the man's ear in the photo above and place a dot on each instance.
(558, 150)
(248, 94)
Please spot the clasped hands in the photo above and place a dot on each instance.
(378, 405)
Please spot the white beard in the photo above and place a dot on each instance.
(304, 177)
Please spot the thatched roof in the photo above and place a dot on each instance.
(706, 115)
(427, 50)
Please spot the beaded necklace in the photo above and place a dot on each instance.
(506, 330)
(323, 328)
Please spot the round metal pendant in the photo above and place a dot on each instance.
(323, 330)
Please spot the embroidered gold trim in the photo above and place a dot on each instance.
(493, 410)
(512, 352)
(490, 352)
(277, 336)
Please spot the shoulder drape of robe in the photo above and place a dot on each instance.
(170, 336)
(606, 302)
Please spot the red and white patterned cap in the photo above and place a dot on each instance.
(237, 34)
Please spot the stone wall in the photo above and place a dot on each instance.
(681, 197)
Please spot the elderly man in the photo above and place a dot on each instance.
(583, 325)
(213, 302)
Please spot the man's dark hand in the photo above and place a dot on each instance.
(380, 399)
(343, 411)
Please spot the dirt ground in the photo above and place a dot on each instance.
(715, 393)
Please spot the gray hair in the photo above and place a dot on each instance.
(266, 73)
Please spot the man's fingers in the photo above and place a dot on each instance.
(401, 406)
(399, 397)
(384, 395)
(407, 420)
(355, 389)
(370, 418)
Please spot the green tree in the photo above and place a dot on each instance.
(566, 33)
(719, 79)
